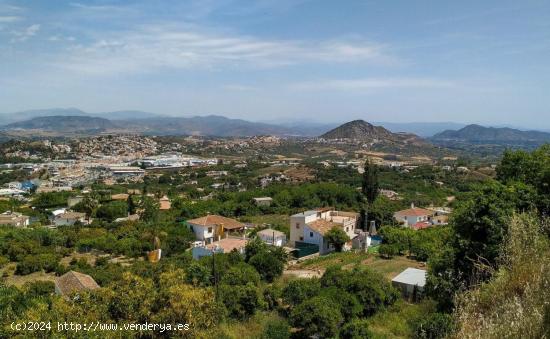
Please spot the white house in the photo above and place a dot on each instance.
(225, 245)
(311, 226)
(69, 218)
(14, 219)
(212, 227)
(272, 237)
(413, 216)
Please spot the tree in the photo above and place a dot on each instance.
(268, 265)
(241, 301)
(337, 238)
(532, 169)
(254, 247)
(89, 205)
(150, 209)
(370, 185)
(112, 210)
(316, 317)
(300, 290)
(131, 205)
(241, 274)
(480, 224)
(196, 306)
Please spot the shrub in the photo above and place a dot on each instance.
(356, 329)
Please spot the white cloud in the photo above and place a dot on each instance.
(26, 33)
(372, 83)
(177, 47)
(9, 18)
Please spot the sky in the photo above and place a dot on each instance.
(465, 61)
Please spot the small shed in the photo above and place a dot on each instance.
(263, 201)
(272, 237)
(410, 282)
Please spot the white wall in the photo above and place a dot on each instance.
(202, 233)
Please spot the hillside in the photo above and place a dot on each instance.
(359, 130)
(61, 123)
(477, 134)
(207, 126)
(211, 125)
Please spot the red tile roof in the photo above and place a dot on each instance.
(421, 225)
(216, 220)
(415, 212)
(322, 226)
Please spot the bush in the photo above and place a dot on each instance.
(34, 263)
(300, 290)
(240, 301)
(276, 329)
(267, 265)
(356, 329)
(435, 326)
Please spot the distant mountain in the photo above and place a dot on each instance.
(211, 125)
(59, 123)
(207, 126)
(126, 115)
(359, 130)
(477, 134)
(423, 129)
(8, 118)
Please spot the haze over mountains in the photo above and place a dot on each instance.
(476, 134)
(297, 127)
(70, 121)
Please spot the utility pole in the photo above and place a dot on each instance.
(214, 273)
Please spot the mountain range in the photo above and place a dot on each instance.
(294, 127)
(72, 121)
(479, 135)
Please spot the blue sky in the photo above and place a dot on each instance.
(327, 61)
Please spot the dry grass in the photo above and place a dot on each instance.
(516, 302)
(348, 260)
(398, 320)
(20, 280)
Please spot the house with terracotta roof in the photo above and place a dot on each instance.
(120, 197)
(413, 216)
(14, 219)
(212, 227)
(74, 282)
(164, 203)
(310, 227)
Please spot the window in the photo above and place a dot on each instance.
(347, 229)
(301, 238)
(311, 234)
(297, 225)
(209, 229)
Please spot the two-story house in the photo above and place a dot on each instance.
(311, 226)
(212, 227)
